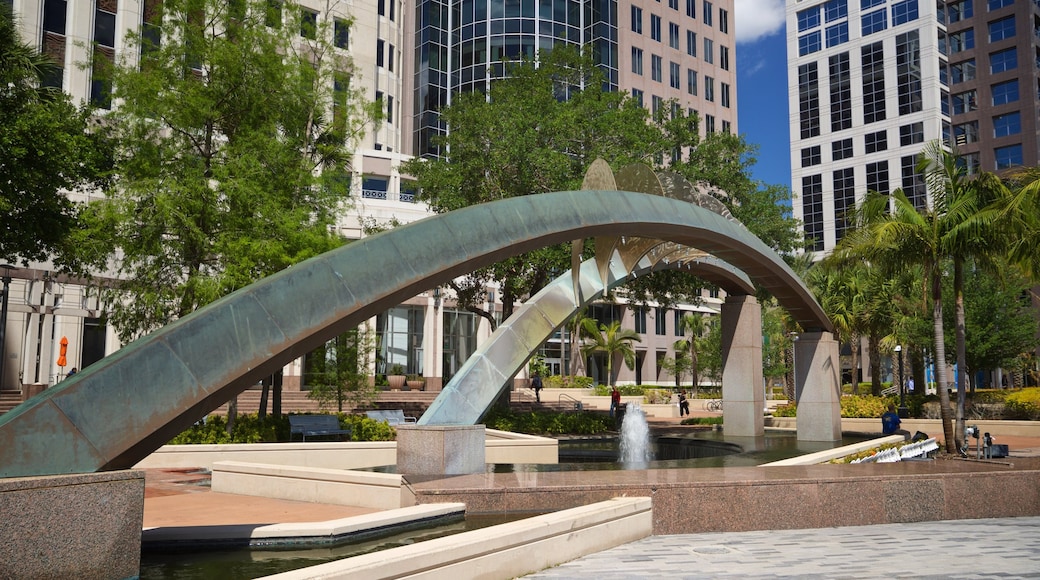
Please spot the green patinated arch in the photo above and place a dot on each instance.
(117, 411)
(473, 390)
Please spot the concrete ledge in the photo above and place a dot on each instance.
(309, 484)
(500, 447)
(331, 531)
(503, 551)
(932, 427)
(829, 454)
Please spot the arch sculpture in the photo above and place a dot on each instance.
(117, 411)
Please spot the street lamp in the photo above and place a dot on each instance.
(6, 278)
(904, 412)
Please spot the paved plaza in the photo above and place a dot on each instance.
(988, 548)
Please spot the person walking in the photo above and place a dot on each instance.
(684, 405)
(615, 400)
(536, 384)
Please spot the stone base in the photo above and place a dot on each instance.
(72, 526)
(440, 449)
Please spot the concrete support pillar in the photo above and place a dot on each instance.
(742, 367)
(817, 384)
(440, 449)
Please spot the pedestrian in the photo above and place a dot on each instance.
(615, 400)
(890, 423)
(71, 372)
(910, 385)
(536, 384)
(684, 405)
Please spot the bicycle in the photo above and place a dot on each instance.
(714, 405)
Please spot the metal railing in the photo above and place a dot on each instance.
(578, 405)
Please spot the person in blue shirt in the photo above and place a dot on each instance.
(890, 423)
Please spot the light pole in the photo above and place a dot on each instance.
(3, 319)
(904, 412)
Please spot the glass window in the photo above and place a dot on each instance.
(875, 142)
(691, 81)
(997, 4)
(844, 200)
(655, 27)
(673, 35)
(865, 4)
(1003, 60)
(809, 100)
(723, 21)
(341, 33)
(841, 149)
(809, 43)
(709, 89)
(709, 51)
(965, 133)
(673, 4)
(837, 34)
(724, 57)
(725, 94)
(1007, 124)
(911, 134)
(903, 12)
(835, 9)
(963, 40)
(691, 8)
(691, 43)
(660, 322)
(1009, 156)
(637, 61)
(639, 319)
(808, 18)
(964, 102)
(960, 10)
(874, 22)
(811, 156)
(673, 75)
(962, 71)
(637, 20)
(706, 13)
(812, 211)
(54, 14)
(1004, 93)
(1001, 29)
(877, 177)
(655, 67)
(308, 23)
(709, 123)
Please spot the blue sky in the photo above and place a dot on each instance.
(762, 86)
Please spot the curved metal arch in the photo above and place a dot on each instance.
(466, 397)
(117, 411)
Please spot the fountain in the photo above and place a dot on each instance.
(634, 445)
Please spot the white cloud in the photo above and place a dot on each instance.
(756, 19)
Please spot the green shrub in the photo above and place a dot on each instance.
(249, 428)
(865, 406)
(548, 422)
(702, 421)
(567, 382)
(657, 396)
(626, 390)
(1024, 404)
(788, 410)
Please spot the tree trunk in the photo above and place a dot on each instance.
(962, 367)
(854, 343)
(232, 410)
(265, 388)
(945, 412)
(875, 364)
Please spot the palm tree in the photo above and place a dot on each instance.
(613, 341)
(576, 330)
(692, 326)
(893, 235)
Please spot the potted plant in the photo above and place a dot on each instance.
(395, 377)
(415, 382)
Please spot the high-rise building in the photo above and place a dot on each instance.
(871, 81)
(411, 57)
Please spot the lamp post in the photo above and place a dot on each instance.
(3, 319)
(904, 412)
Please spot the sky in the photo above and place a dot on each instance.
(762, 115)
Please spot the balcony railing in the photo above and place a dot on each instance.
(404, 197)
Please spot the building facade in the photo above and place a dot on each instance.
(871, 81)
(411, 58)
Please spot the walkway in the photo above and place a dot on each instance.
(990, 548)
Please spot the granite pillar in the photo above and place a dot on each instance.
(440, 449)
(742, 381)
(72, 526)
(817, 383)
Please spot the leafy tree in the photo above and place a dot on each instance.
(233, 144)
(611, 340)
(905, 236)
(710, 356)
(46, 151)
(338, 371)
(692, 326)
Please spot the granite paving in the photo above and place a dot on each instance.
(984, 548)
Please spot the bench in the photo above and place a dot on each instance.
(315, 426)
(391, 416)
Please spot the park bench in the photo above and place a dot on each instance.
(315, 426)
(391, 416)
